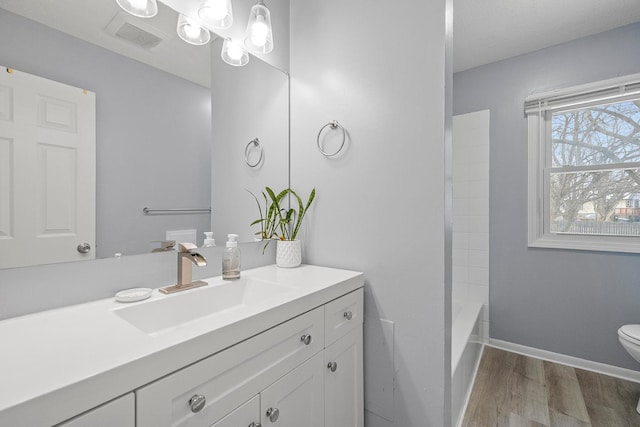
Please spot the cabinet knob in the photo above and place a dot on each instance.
(273, 414)
(348, 315)
(306, 339)
(255, 425)
(197, 402)
(332, 366)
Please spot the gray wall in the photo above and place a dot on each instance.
(380, 205)
(570, 302)
(153, 133)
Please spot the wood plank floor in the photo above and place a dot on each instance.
(512, 390)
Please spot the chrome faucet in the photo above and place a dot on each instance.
(186, 259)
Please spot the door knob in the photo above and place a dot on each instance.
(273, 414)
(348, 315)
(197, 402)
(84, 248)
(332, 366)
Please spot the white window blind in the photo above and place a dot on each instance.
(584, 96)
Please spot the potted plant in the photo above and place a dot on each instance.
(282, 224)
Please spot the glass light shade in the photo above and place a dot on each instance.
(191, 32)
(216, 13)
(234, 54)
(139, 8)
(259, 38)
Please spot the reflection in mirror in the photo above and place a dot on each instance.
(153, 122)
(250, 110)
(47, 159)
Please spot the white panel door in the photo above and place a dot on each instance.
(296, 399)
(47, 170)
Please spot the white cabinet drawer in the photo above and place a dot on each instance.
(231, 377)
(119, 412)
(343, 315)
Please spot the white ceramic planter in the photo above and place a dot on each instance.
(289, 253)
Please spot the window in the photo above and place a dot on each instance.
(584, 167)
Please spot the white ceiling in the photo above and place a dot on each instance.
(486, 31)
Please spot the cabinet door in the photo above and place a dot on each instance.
(117, 413)
(343, 389)
(246, 414)
(296, 399)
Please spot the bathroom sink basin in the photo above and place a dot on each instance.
(167, 312)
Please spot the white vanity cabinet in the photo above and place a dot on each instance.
(285, 377)
(278, 347)
(203, 393)
(119, 412)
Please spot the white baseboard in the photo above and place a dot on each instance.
(601, 368)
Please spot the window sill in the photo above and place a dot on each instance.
(587, 243)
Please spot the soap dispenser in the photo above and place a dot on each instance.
(231, 258)
(209, 241)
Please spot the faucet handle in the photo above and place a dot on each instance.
(186, 247)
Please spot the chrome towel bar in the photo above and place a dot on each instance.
(183, 210)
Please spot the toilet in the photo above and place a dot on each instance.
(629, 337)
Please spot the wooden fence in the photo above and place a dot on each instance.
(599, 228)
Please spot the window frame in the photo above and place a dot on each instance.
(539, 109)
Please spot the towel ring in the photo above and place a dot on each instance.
(256, 143)
(333, 124)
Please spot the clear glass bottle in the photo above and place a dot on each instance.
(231, 258)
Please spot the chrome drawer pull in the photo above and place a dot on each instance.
(197, 402)
(255, 425)
(348, 315)
(332, 366)
(273, 414)
(306, 339)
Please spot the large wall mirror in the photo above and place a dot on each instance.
(168, 114)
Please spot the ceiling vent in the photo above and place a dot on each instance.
(130, 29)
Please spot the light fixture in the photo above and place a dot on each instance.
(216, 13)
(139, 8)
(259, 38)
(192, 32)
(233, 54)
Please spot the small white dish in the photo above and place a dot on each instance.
(133, 295)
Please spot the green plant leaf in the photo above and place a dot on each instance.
(302, 211)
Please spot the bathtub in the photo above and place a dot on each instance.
(466, 348)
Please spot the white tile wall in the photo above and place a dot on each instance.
(471, 211)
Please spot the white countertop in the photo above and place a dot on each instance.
(59, 363)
